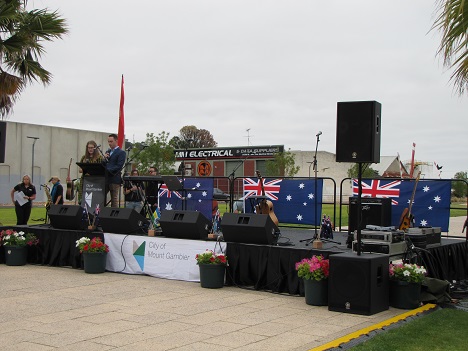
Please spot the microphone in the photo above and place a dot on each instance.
(97, 147)
(128, 148)
(318, 134)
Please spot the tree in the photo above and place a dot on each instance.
(459, 187)
(158, 153)
(367, 171)
(21, 35)
(452, 21)
(192, 137)
(283, 164)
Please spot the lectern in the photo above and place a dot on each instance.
(94, 185)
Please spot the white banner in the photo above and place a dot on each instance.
(156, 256)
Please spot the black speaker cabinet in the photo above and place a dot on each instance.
(248, 228)
(122, 221)
(358, 284)
(184, 225)
(2, 141)
(67, 217)
(358, 132)
(374, 211)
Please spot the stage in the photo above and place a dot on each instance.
(261, 267)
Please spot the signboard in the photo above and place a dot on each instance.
(267, 151)
(204, 169)
(157, 256)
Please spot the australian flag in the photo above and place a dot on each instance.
(198, 193)
(293, 199)
(431, 204)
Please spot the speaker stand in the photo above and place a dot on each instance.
(359, 214)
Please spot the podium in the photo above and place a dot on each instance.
(94, 185)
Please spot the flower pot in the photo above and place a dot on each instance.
(316, 292)
(95, 262)
(404, 295)
(16, 255)
(212, 275)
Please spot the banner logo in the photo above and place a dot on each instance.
(139, 254)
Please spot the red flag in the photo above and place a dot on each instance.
(121, 132)
(412, 161)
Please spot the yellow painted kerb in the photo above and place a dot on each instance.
(367, 330)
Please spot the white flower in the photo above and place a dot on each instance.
(406, 273)
(82, 240)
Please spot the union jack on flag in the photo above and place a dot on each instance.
(253, 187)
(379, 189)
(165, 191)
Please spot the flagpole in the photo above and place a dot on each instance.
(121, 129)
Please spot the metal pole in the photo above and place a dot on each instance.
(32, 166)
(310, 164)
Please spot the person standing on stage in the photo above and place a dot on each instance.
(132, 193)
(114, 163)
(22, 196)
(152, 189)
(57, 191)
(91, 155)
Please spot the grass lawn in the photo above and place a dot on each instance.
(441, 330)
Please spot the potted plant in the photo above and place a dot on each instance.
(314, 273)
(16, 246)
(405, 284)
(212, 268)
(94, 254)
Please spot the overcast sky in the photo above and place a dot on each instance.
(275, 67)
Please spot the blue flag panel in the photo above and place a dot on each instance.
(198, 193)
(293, 199)
(431, 205)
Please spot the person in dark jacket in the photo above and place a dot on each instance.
(57, 191)
(22, 196)
(114, 162)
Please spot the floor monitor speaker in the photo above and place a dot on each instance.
(358, 284)
(67, 217)
(374, 211)
(249, 228)
(122, 221)
(358, 132)
(184, 225)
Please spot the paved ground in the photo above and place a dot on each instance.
(52, 308)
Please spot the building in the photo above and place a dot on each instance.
(41, 151)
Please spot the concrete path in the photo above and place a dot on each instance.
(52, 308)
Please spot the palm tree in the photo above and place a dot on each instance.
(21, 35)
(452, 21)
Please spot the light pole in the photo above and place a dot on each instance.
(32, 168)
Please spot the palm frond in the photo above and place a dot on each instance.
(452, 22)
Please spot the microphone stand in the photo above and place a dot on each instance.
(184, 191)
(316, 241)
(231, 182)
